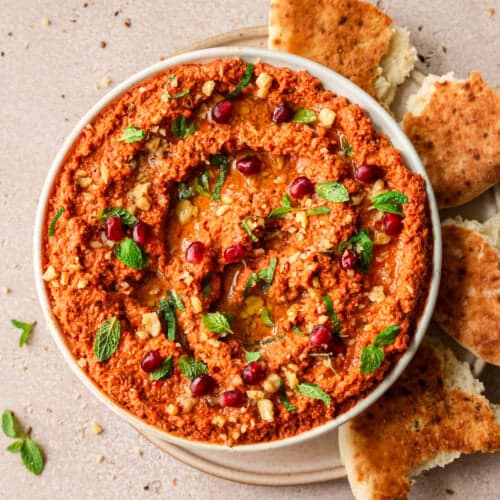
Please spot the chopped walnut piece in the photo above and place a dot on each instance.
(266, 410)
(151, 324)
(50, 274)
(272, 383)
(208, 88)
(264, 82)
(326, 117)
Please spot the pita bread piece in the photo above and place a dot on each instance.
(468, 306)
(353, 38)
(455, 128)
(417, 425)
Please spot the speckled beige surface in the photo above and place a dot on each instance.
(47, 81)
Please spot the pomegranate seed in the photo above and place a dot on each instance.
(195, 252)
(301, 187)
(232, 398)
(113, 229)
(321, 336)
(141, 233)
(235, 253)
(249, 165)
(368, 173)
(151, 361)
(337, 346)
(222, 112)
(282, 114)
(202, 385)
(392, 224)
(348, 260)
(253, 373)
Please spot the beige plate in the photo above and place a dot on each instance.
(316, 460)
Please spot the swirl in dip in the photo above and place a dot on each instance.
(234, 254)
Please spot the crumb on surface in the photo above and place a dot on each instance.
(449, 491)
(490, 11)
(139, 453)
(127, 22)
(100, 458)
(106, 81)
(96, 428)
(102, 44)
(6, 290)
(46, 21)
(174, 481)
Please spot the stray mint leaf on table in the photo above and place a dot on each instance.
(32, 457)
(26, 328)
(132, 134)
(10, 425)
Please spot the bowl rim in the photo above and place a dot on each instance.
(332, 81)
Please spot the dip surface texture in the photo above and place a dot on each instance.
(226, 232)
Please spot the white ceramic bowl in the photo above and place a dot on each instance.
(332, 81)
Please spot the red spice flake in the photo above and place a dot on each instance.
(102, 44)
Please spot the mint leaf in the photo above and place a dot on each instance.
(313, 391)
(330, 312)
(222, 161)
(130, 253)
(284, 398)
(319, 211)
(296, 329)
(304, 116)
(267, 274)
(53, 222)
(254, 278)
(216, 322)
(166, 94)
(389, 201)
(246, 227)
(167, 313)
(386, 336)
(371, 359)
(245, 80)
(10, 425)
(32, 456)
(181, 129)
(252, 356)
(372, 356)
(176, 300)
(363, 245)
(26, 329)
(107, 339)
(332, 191)
(15, 446)
(206, 285)
(286, 207)
(184, 192)
(132, 134)
(265, 317)
(191, 367)
(165, 369)
(346, 147)
(126, 217)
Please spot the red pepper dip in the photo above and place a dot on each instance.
(234, 254)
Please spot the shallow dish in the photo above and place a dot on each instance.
(331, 81)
